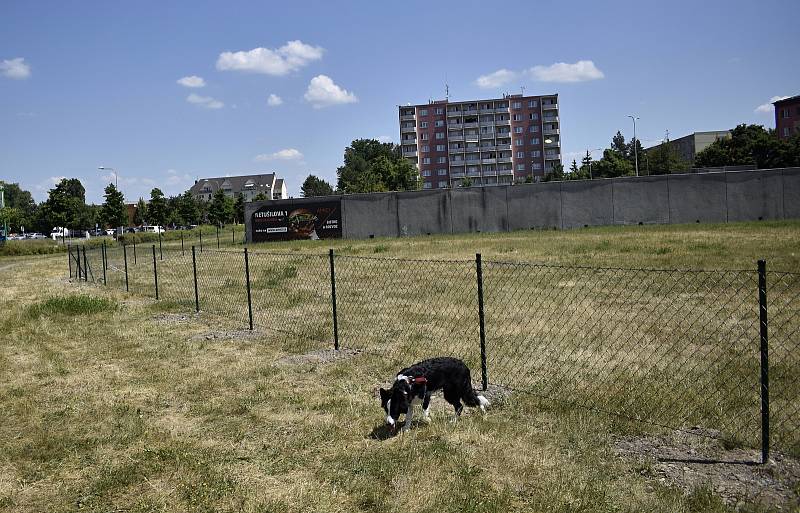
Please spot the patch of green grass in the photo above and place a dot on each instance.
(71, 306)
(274, 277)
(380, 248)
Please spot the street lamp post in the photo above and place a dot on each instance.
(116, 184)
(635, 146)
(2, 206)
(589, 160)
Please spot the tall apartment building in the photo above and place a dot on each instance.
(787, 117)
(491, 142)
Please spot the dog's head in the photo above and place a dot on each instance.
(396, 400)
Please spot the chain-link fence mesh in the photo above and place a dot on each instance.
(672, 348)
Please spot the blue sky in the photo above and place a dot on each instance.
(86, 84)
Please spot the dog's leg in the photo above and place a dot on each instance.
(426, 408)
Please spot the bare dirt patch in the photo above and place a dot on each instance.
(228, 335)
(175, 317)
(320, 356)
(697, 458)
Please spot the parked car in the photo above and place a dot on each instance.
(110, 232)
(130, 230)
(152, 229)
(35, 235)
(59, 231)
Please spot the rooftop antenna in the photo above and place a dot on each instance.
(666, 135)
(522, 88)
(446, 88)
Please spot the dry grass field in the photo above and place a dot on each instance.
(114, 401)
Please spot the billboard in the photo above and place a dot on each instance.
(304, 221)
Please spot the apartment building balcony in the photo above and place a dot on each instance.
(454, 113)
(502, 122)
(405, 129)
(552, 156)
(473, 173)
(409, 153)
(487, 147)
(505, 171)
(457, 174)
(550, 119)
(455, 126)
(503, 146)
(471, 137)
(486, 123)
(486, 111)
(487, 135)
(549, 106)
(551, 131)
(501, 110)
(470, 125)
(490, 173)
(455, 137)
(554, 144)
(488, 161)
(504, 160)
(408, 141)
(408, 117)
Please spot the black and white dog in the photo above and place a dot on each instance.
(416, 384)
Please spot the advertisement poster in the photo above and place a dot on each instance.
(309, 221)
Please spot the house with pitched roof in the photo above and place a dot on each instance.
(249, 186)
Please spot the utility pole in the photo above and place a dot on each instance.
(635, 146)
(2, 206)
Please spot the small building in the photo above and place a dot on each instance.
(690, 145)
(787, 117)
(249, 186)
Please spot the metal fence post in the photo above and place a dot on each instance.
(233, 235)
(155, 271)
(134, 251)
(764, 323)
(217, 236)
(85, 266)
(333, 301)
(247, 279)
(196, 294)
(125, 258)
(181, 242)
(201, 239)
(484, 376)
(105, 280)
(69, 259)
(160, 252)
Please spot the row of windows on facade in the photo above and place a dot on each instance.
(520, 155)
(443, 172)
(785, 112)
(440, 147)
(502, 105)
(485, 119)
(484, 131)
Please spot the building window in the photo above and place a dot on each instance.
(534, 128)
(423, 112)
(536, 154)
(786, 131)
(535, 140)
(518, 129)
(517, 117)
(423, 124)
(440, 147)
(442, 160)
(534, 116)
(426, 148)
(520, 167)
(519, 142)
(439, 122)
(440, 135)
(424, 136)
(426, 160)
(443, 184)
(442, 172)
(520, 154)
(427, 185)
(785, 113)
(537, 165)
(439, 110)
(426, 172)
(516, 105)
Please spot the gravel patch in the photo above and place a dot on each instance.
(227, 335)
(175, 317)
(320, 356)
(688, 460)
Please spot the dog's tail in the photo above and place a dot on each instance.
(472, 399)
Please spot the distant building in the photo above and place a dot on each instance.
(787, 117)
(493, 141)
(689, 146)
(249, 186)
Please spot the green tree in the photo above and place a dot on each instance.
(65, 206)
(466, 182)
(751, 145)
(260, 197)
(372, 166)
(556, 173)
(314, 186)
(188, 210)
(573, 169)
(140, 217)
(619, 145)
(238, 209)
(113, 213)
(21, 200)
(10, 216)
(157, 208)
(612, 165)
(221, 209)
(665, 159)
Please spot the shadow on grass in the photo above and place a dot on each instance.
(384, 432)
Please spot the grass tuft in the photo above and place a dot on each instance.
(71, 306)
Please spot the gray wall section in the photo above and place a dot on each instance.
(791, 193)
(643, 199)
(370, 215)
(704, 197)
(423, 212)
(699, 197)
(534, 206)
(479, 209)
(587, 203)
(755, 196)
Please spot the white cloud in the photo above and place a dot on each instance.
(580, 71)
(286, 154)
(768, 108)
(192, 81)
(274, 100)
(15, 68)
(323, 92)
(496, 79)
(204, 101)
(278, 62)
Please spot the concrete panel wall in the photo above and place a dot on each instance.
(754, 195)
(587, 203)
(700, 197)
(479, 209)
(534, 206)
(423, 212)
(791, 193)
(641, 200)
(370, 215)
